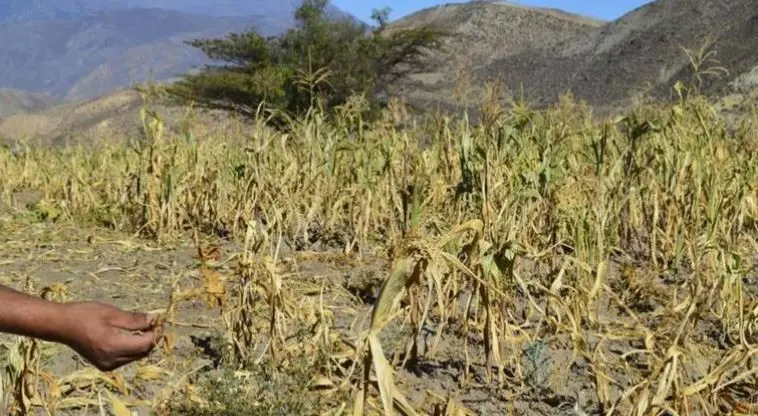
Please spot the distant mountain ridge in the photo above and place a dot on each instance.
(15, 102)
(81, 49)
(26, 10)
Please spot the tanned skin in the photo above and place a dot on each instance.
(105, 336)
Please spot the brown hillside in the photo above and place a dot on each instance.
(549, 52)
(56, 122)
(112, 117)
(482, 33)
(15, 101)
(641, 52)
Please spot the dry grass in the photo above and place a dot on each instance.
(595, 268)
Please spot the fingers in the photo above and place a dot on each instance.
(133, 348)
(133, 321)
(136, 344)
(125, 348)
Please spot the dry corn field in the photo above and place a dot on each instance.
(533, 263)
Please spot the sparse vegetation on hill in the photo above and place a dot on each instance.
(544, 53)
(547, 52)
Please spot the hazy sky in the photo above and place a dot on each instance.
(602, 9)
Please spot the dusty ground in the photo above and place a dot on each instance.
(98, 264)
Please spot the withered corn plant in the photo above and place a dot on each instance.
(258, 280)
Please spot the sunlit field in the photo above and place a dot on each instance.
(545, 262)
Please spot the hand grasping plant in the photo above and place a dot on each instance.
(105, 336)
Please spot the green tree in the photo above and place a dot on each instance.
(321, 61)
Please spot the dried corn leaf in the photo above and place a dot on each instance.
(118, 407)
(149, 372)
(390, 291)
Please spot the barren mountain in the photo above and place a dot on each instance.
(549, 52)
(112, 117)
(642, 52)
(481, 33)
(54, 122)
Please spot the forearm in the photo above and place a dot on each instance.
(104, 335)
(24, 315)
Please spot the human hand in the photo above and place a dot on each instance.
(106, 336)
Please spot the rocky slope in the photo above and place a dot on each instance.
(481, 34)
(643, 52)
(545, 52)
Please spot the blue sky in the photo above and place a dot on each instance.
(602, 9)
